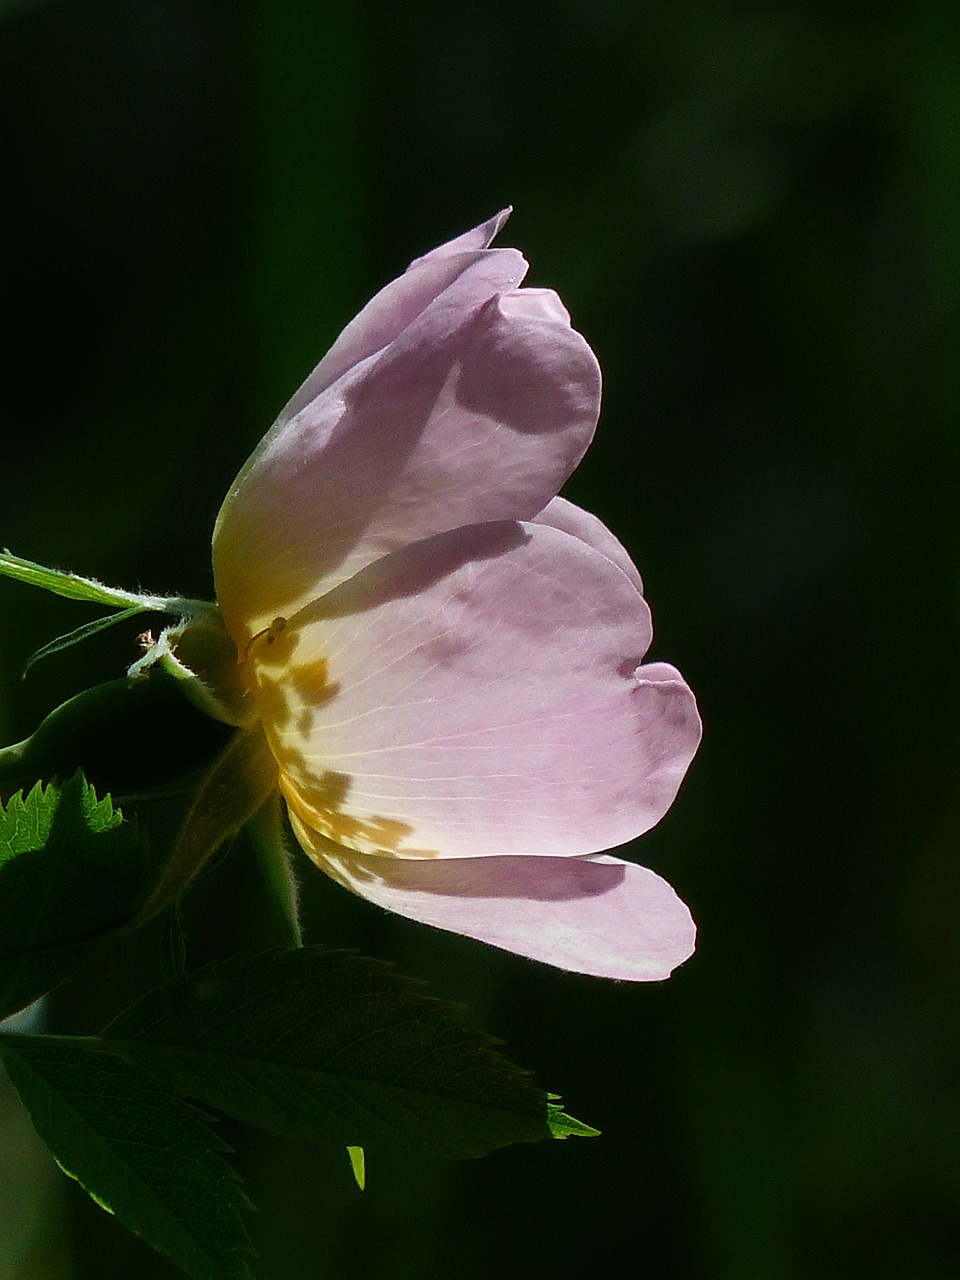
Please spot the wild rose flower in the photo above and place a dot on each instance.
(443, 654)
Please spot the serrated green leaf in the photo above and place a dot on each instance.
(334, 1048)
(71, 870)
(139, 1151)
(564, 1126)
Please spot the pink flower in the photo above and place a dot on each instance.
(444, 655)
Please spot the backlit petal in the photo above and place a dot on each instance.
(478, 693)
(389, 312)
(478, 410)
(561, 514)
(598, 915)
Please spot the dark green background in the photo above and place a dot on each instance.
(751, 210)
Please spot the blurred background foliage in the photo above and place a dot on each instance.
(751, 210)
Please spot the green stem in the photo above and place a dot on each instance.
(266, 832)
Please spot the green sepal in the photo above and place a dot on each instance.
(79, 634)
(198, 653)
(72, 585)
(239, 783)
(75, 587)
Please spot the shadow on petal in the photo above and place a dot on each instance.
(541, 879)
(412, 570)
(598, 916)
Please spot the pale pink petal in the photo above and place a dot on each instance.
(561, 514)
(598, 915)
(536, 302)
(389, 312)
(475, 694)
(471, 241)
(478, 411)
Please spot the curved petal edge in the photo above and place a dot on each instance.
(599, 916)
